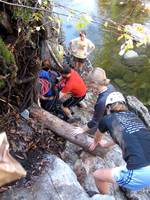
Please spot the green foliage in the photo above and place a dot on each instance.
(83, 21)
(24, 14)
(37, 16)
(6, 54)
(136, 33)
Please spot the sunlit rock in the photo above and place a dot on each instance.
(139, 33)
(130, 54)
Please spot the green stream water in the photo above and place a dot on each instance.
(133, 78)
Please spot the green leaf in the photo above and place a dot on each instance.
(79, 25)
(50, 18)
(106, 24)
(83, 21)
(120, 37)
(37, 16)
(139, 44)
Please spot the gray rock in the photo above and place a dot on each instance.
(56, 182)
(102, 197)
(130, 54)
(71, 154)
(139, 108)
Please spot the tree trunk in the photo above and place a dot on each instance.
(65, 130)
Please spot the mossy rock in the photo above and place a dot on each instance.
(7, 64)
(6, 54)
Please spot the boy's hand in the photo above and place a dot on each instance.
(92, 145)
(102, 143)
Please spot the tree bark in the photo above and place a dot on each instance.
(65, 130)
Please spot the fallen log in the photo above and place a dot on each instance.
(65, 130)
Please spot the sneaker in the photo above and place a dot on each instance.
(92, 193)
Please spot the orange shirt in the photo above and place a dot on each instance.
(75, 85)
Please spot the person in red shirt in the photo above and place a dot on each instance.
(74, 86)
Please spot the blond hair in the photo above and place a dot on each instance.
(98, 75)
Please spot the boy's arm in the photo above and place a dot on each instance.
(96, 141)
(91, 48)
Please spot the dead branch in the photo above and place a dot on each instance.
(65, 130)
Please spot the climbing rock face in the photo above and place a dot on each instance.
(57, 182)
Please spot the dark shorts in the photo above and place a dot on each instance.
(72, 101)
(81, 60)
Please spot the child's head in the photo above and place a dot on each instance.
(46, 64)
(116, 102)
(66, 72)
(82, 35)
(98, 76)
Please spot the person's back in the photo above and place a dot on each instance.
(100, 84)
(99, 108)
(130, 133)
(75, 85)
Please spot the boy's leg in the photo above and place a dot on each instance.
(102, 179)
(67, 111)
(72, 101)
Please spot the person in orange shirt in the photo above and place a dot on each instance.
(74, 86)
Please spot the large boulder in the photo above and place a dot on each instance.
(139, 108)
(56, 182)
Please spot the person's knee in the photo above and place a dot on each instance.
(103, 175)
(96, 175)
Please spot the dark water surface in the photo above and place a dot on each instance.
(132, 78)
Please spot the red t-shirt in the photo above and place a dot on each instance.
(75, 85)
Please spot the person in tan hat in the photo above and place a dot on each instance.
(101, 84)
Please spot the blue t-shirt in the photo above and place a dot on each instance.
(99, 108)
(130, 133)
